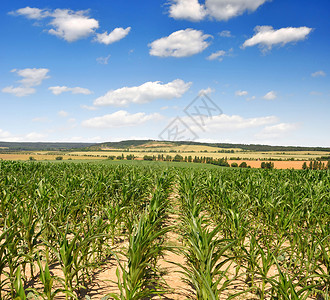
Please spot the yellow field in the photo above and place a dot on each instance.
(39, 156)
(252, 158)
(243, 155)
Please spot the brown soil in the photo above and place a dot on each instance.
(277, 164)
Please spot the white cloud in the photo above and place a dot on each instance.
(144, 93)
(217, 55)
(226, 123)
(88, 107)
(57, 90)
(180, 43)
(30, 137)
(266, 37)
(72, 25)
(241, 93)
(4, 134)
(276, 131)
(225, 33)
(187, 9)
(114, 36)
(34, 136)
(103, 60)
(207, 91)
(120, 118)
(319, 74)
(31, 78)
(272, 95)
(66, 24)
(19, 91)
(221, 10)
(63, 113)
(31, 13)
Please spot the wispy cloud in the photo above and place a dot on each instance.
(30, 79)
(319, 74)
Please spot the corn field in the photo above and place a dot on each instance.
(242, 233)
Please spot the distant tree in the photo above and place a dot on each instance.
(234, 165)
(311, 165)
(111, 157)
(59, 158)
(130, 157)
(328, 165)
(243, 165)
(168, 158)
(178, 158)
(119, 157)
(304, 166)
(267, 165)
(148, 157)
(32, 158)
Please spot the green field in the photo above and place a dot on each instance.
(111, 229)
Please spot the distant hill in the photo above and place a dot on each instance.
(248, 147)
(13, 146)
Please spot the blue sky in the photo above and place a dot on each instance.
(97, 71)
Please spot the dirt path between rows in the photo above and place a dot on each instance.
(179, 290)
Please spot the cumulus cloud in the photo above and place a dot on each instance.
(187, 9)
(233, 122)
(30, 78)
(241, 93)
(266, 36)
(57, 90)
(319, 74)
(276, 131)
(120, 118)
(144, 93)
(72, 25)
(221, 10)
(272, 95)
(180, 43)
(114, 36)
